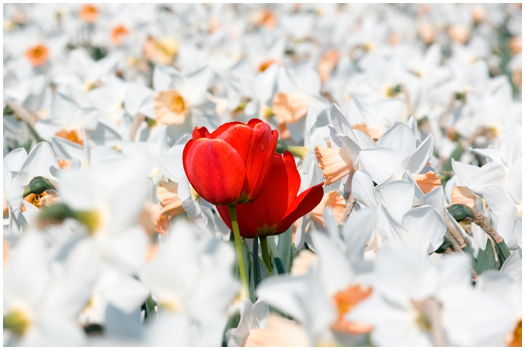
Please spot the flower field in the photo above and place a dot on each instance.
(262, 175)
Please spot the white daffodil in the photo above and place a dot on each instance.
(32, 50)
(109, 200)
(397, 151)
(109, 99)
(251, 325)
(176, 196)
(84, 74)
(112, 287)
(499, 183)
(422, 228)
(264, 87)
(19, 169)
(386, 78)
(192, 279)
(40, 307)
(320, 299)
(178, 100)
(415, 303)
(500, 285)
(506, 203)
(492, 111)
(297, 90)
(67, 121)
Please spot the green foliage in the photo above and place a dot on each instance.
(486, 259)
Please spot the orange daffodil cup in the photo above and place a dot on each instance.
(230, 166)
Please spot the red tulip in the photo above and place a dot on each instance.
(278, 206)
(231, 164)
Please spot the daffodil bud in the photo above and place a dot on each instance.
(55, 213)
(16, 321)
(460, 212)
(391, 92)
(37, 186)
(281, 147)
(297, 151)
(446, 244)
(91, 219)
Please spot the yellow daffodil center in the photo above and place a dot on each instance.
(170, 303)
(177, 104)
(94, 220)
(267, 112)
(423, 323)
(35, 199)
(163, 50)
(17, 321)
(170, 107)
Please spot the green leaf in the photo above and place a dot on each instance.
(468, 251)
(233, 322)
(486, 259)
(456, 154)
(262, 268)
(277, 263)
(285, 248)
(504, 250)
(294, 254)
(247, 265)
(255, 267)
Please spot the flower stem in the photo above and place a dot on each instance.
(350, 203)
(238, 248)
(265, 253)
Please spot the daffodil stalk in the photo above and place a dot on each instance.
(265, 253)
(238, 248)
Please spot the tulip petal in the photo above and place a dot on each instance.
(255, 143)
(224, 127)
(215, 170)
(262, 216)
(303, 204)
(201, 132)
(294, 179)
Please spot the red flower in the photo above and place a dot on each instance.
(231, 164)
(278, 206)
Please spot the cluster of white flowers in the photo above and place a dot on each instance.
(409, 113)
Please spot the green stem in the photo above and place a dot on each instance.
(504, 249)
(238, 248)
(265, 253)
